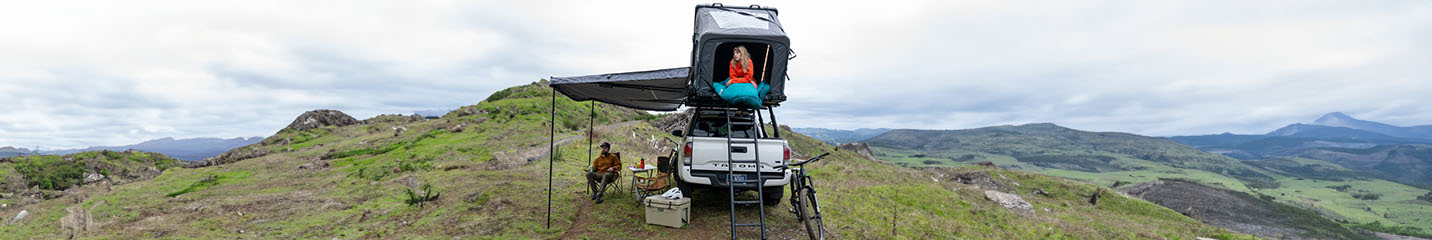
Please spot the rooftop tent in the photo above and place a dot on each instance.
(655, 90)
(718, 29)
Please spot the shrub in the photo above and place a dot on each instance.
(1120, 183)
(1342, 188)
(419, 199)
(50, 172)
(1367, 196)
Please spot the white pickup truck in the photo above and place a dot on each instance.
(705, 155)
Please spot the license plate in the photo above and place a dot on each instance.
(738, 177)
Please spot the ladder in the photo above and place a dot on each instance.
(731, 172)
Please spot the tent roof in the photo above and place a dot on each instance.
(654, 90)
(716, 21)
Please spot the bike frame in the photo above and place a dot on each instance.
(804, 181)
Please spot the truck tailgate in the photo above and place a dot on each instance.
(710, 153)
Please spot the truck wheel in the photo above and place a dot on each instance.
(773, 195)
(686, 190)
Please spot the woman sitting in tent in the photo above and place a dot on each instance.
(740, 89)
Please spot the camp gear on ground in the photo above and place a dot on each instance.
(648, 185)
(667, 212)
(673, 194)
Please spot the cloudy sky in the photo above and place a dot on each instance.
(83, 73)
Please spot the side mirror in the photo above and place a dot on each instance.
(677, 133)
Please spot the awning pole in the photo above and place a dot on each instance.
(591, 128)
(551, 155)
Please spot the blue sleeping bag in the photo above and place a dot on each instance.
(742, 94)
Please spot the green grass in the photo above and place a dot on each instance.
(362, 193)
(1397, 206)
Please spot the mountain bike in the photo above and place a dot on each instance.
(803, 198)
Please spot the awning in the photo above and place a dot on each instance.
(655, 90)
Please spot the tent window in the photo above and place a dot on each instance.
(723, 60)
(727, 19)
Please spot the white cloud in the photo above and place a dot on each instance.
(80, 73)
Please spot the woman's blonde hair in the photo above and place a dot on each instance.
(745, 60)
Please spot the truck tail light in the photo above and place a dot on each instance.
(787, 156)
(687, 151)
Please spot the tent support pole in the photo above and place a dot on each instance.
(591, 128)
(551, 156)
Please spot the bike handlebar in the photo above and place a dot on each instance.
(816, 158)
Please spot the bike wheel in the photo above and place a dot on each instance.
(806, 210)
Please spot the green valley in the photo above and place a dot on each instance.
(1120, 159)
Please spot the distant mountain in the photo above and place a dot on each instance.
(1399, 154)
(1052, 146)
(837, 136)
(1409, 164)
(432, 113)
(13, 151)
(1338, 119)
(192, 149)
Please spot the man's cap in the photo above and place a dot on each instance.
(606, 145)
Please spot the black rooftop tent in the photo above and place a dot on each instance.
(718, 30)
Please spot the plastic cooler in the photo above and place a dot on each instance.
(667, 212)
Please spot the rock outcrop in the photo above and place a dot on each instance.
(1239, 211)
(1010, 201)
(320, 118)
(857, 147)
(677, 121)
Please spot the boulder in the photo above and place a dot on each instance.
(20, 216)
(93, 178)
(1009, 201)
(321, 118)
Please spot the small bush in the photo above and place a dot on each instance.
(1367, 196)
(1120, 183)
(1342, 188)
(50, 172)
(419, 199)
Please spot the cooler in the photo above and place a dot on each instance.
(667, 212)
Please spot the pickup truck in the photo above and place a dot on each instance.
(704, 155)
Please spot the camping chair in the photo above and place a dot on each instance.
(649, 186)
(616, 185)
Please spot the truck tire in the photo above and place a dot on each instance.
(686, 189)
(773, 195)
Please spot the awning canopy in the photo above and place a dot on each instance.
(655, 90)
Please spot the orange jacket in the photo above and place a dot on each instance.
(613, 160)
(739, 75)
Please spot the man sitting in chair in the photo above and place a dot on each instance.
(605, 170)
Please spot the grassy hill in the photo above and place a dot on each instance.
(485, 167)
(1114, 159)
